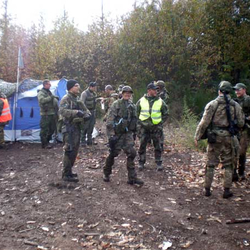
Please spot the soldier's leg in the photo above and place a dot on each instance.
(44, 126)
(244, 142)
(228, 174)
(84, 133)
(143, 145)
(75, 147)
(90, 129)
(131, 154)
(2, 136)
(157, 140)
(51, 127)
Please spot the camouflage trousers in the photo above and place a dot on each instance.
(48, 128)
(146, 135)
(88, 128)
(219, 152)
(244, 143)
(2, 134)
(125, 142)
(71, 144)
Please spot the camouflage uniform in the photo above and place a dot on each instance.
(220, 151)
(89, 97)
(148, 131)
(121, 122)
(48, 110)
(244, 133)
(162, 91)
(68, 109)
(109, 100)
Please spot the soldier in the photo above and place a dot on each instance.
(244, 100)
(121, 124)
(120, 91)
(222, 143)
(48, 110)
(73, 112)
(5, 117)
(152, 112)
(161, 91)
(88, 97)
(111, 96)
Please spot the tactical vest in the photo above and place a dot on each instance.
(90, 101)
(6, 115)
(155, 112)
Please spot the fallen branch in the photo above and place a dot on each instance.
(237, 221)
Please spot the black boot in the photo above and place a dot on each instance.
(70, 178)
(227, 193)
(135, 181)
(207, 192)
(106, 178)
(235, 176)
(242, 163)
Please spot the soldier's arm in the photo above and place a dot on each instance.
(240, 116)
(205, 121)
(1, 107)
(42, 99)
(111, 119)
(164, 111)
(65, 111)
(138, 109)
(83, 96)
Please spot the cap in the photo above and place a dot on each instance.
(240, 86)
(92, 84)
(225, 86)
(108, 87)
(71, 83)
(151, 86)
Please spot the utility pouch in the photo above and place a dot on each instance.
(211, 136)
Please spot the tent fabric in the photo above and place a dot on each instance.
(28, 84)
(27, 117)
(7, 88)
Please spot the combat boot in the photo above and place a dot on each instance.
(75, 175)
(106, 178)
(70, 178)
(135, 181)
(235, 176)
(227, 193)
(141, 166)
(207, 192)
(159, 166)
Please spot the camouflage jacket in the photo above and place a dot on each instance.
(215, 113)
(69, 106)
(121, 118)
(108, 101)
(47, 102)
(164, 95)
(148, 123)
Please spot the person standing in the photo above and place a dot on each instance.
(152, 112)
(73, 112)
(5, 117)
(222, 141)
(88, 97)
(121, 124)
(111, 96)
(162, 91)
(244, 100)
(48, 110)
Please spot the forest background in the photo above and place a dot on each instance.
(190, 44)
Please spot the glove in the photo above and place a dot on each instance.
(87, 116)
(56, 97)
(80, 113)
(104, 119)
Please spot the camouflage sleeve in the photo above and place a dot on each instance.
(43, 99)
(65, 111)
(164, 111)
(83, 96)
(240, 116)
(1, 107)
(112, 114)
(205, 121)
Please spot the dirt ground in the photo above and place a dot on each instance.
(39, 211)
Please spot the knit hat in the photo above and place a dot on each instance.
(71, 83)
(92, 84)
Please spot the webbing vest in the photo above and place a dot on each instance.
(90, 101)
(155, 112)
(6, 115)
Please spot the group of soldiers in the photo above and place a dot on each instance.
(225, 124)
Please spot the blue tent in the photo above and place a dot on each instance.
(27, 117)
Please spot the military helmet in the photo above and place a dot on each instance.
(127, 89)
(161, 84)
(240, 86)
(108, 87)
(120, 87)
(225, 86)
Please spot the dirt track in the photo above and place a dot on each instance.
(39, 211)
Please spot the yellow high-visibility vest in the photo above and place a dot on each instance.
(155, 112)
